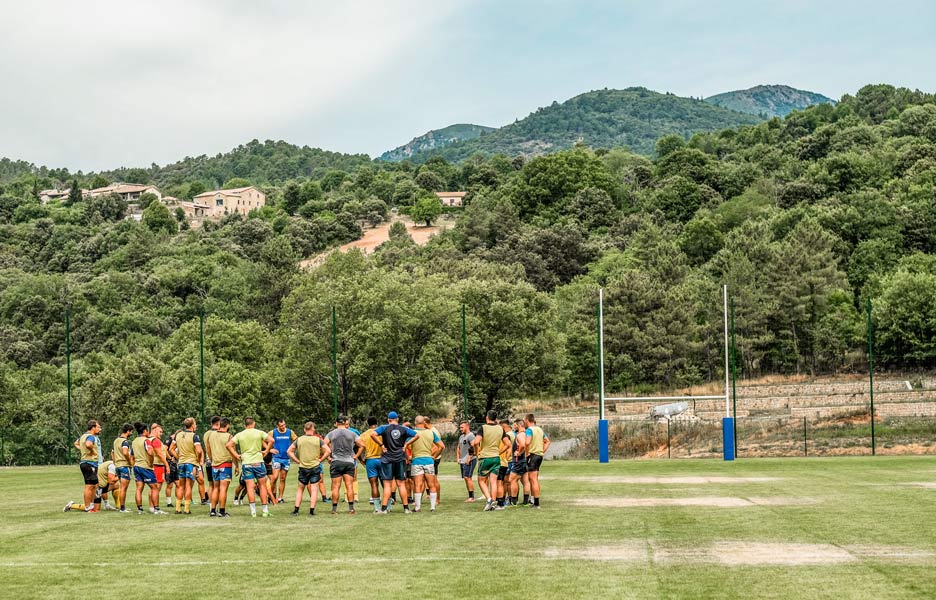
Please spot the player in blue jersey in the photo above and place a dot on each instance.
(392, 437)
(283, 437)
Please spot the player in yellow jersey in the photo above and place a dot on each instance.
(424, 447)
(186, 447)
(434, 480)
(537, 445)
(489, 440)
(89, 456)
(123, 461)
(309, 450)
(253, 443)
(221, 467)
(371, 459)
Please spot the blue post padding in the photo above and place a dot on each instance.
(603, 440)
(728, 437)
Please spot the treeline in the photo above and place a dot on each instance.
(803, 218)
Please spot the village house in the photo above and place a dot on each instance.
(47, 195)
(217, 204)
(451, 198)
(129, 192)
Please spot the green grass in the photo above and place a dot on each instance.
(461, 552)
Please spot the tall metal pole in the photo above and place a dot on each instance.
(335, 361)
(601, 384)
(68, 378)
(734, 378)
(464, 336)
(729, 436)
(201, 362)
(727, 372)
(871, 374)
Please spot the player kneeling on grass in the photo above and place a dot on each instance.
(488, 440)
(424, 446)
(537, 445)
(345, 446)
(107, 480)
(253, 444)
(221, 461)
(187, 449)
(308, 451)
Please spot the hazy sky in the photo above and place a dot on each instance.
(104, 83)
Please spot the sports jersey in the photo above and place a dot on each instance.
(371, 447)
(490, 435)
(342, 443)
(394, 437)
(103, 469)
(120, 459)
(281, 443)
(466, 450)
(92, 454)
(422, 446)
(507, 454)
(185, 446)
(141, 457)
(218, 445)
(205, 439)
(309, 451)
(156, 445)
(535, 437)
(251, 445)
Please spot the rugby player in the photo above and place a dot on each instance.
(161, 460)
(253, 444)
(122, 461)
(371, 459)
(221, 461)
(506, 454)
(424, 446)
(392, 438)
(518, 467)
(488, 440)
(283, 437)
(465, 455)
(187, 449)
(215, 422)
(143, 473)
(309, 450)
(345, 446)
(537, 444)
(434, 483)
(89, 456)
(106, 480)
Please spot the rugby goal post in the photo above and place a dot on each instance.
(728, 425)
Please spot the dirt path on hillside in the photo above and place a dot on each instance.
(376, 236)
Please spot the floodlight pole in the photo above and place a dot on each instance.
(871, 374)
(603, 441)
(201, 362)
(464, 337)
(728, 425)
(335, 361)
(68, 379)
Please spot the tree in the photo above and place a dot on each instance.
(398, 231)
(426, 210)
(105, 207)
(74, 193)
(430, 181)
(669, 143)
(195, 188)
(236, 182)
(146, 199)
(157, 218)
(99, 181)
(292, 198)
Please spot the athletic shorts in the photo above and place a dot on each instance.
(268, 469)
(502, 473)
(187, 471)
(123, 473)
(436, 464)
(533, 462)
(373, 468)
(160, 472)
(488, 466)
(468, 468)
(89, 472)
(209, 471)
(518, 467)
(221, 473)
(393, 470)
(281, 464)
(254, 471)
(341, 468)
(144, 475)
(310, 475)
(424, 470)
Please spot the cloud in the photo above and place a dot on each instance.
(95, 85)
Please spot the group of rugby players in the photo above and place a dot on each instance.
(398, 458)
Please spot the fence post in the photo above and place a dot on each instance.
(871, 374)
(805, 449)
(668, 449)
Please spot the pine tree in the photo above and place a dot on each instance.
(74, 194)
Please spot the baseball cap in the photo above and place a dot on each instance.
(393, 415)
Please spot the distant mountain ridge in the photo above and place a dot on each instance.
(768, 100)
(634, 117)
(435, 139)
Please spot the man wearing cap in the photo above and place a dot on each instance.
(392, 437)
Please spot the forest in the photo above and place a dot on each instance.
(804, 218)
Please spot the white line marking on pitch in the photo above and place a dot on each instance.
(718, 501)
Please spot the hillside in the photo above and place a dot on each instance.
(768, 100)
(437, 138)
(633, 117)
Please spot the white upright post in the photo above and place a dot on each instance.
(601, 388)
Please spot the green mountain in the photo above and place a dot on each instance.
(633, 117)
(768, 100)
(437, 138)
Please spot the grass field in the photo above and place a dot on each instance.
(766, 528)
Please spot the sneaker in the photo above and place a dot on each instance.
(293, 514)
(123, 510)
(68, 506)
(416, 510)
(265, 515)
(237, 502)
(186, 512)
(169, 504)
(178, 512)
(407, 511)
(213, 513)
(156, 511)
(109, 507)
(224, 515)
(253, 515)
(488, 506)
(371, 501)
(140, 511)
(381, 512)
(282, 501)
(351, 511)
(334, 511)
(499, 507)
(469, 500)
(431, 510)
